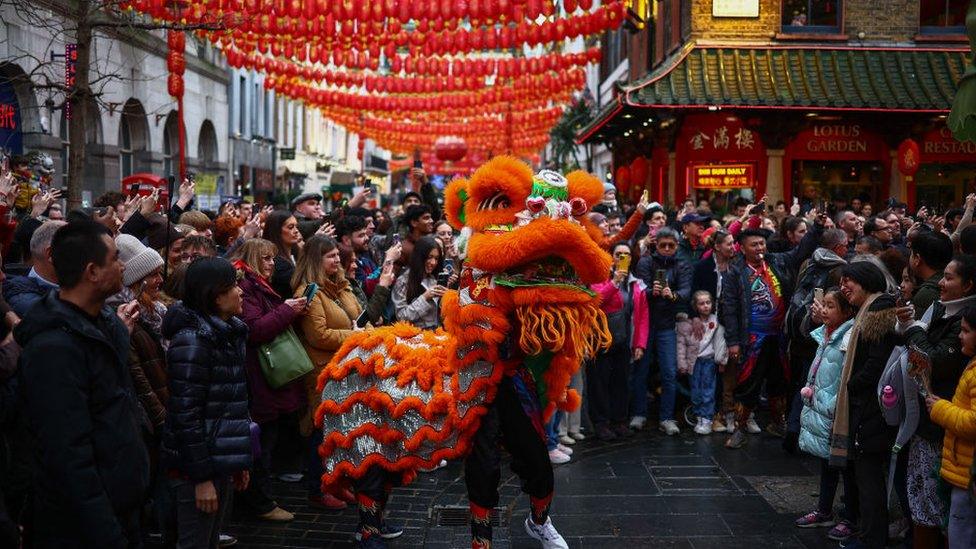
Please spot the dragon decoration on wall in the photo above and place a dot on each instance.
(404, 398)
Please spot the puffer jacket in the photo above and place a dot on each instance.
(678, 276)
(208, 429)
(688, 347)
(959, 420)
(817, 416)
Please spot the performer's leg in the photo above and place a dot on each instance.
(530, 458)
(371, 496)
(482, 470)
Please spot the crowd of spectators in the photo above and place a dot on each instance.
(133, 402)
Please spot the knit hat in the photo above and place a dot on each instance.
(138, 259)
(609, 188)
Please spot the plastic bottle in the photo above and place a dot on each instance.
(888, 397)
(806, 392)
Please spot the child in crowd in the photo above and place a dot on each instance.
(959, 420)
(701, 352)
(819, 398)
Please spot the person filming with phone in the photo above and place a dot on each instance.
(417, 291)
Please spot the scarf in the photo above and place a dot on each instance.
(240, 265)
(333, 287)
(840, 433)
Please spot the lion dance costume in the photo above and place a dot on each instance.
(398, 399)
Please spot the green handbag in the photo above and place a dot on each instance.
(284, 359)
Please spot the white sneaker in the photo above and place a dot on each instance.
(578, 436)
(546, 534)
(730, 422)
(704, 427)
(669, 427)
(751, 426)
(558, 458)
(567, 440)
(637, 422)
(564, 449)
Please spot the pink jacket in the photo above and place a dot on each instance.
(611, 301)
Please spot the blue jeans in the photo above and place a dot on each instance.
(552, 428)
(962, 520)
(703, 388)
(665, 344)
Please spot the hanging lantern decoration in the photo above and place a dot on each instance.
(909, 157)
(450, 148)
(622, 179)
(639, 169)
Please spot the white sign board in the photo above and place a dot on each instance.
(735, 8)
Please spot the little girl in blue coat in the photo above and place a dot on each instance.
(820, 397)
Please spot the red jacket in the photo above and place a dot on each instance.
(611, 301)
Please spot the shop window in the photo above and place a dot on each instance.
(816, 180)
(614, 53)
(812, 16)
(171, 145)
(125, 146)
(207, 146)
(942, 16)
(941, 186)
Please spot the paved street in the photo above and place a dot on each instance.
(650, 491)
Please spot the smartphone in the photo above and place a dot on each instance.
(310, 291)
(796, 201)
(442, 278)
(396, 239)
(661, 276)
(901, 300)
(191, 176)
(623, 264)
(362, 320)
(818, 295)
(418, 163)
(449, 265)
(644, 196)
(368, 186)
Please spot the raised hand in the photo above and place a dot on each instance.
(253, 228)
(326, 229)
(187, 192)
(148, 204)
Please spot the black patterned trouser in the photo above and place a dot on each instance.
(506, 422)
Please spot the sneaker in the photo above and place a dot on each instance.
(842, 531)
(852, 543)
(622, 431)
(637, 422)
(225, 540)
(578, 436)
(730, 422)
(669, 427)
(718, 424)
(558, 458)
(372, 542)
(751, 426)
(564, 449)
(277, 515)
(736, 441)
(386, 532)
(815, 519)
(291, 477)
(545, 533)
(327, 501)
(567, 440)
(441, 465)
(704, 427)
(605, 434)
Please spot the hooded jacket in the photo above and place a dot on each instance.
(958, 417)
(208, 429)
(869, 430)
(817, 416)
(813, 275)
(91, 464)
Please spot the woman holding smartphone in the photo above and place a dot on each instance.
(267, 315)
(417, 290)
(329, 320)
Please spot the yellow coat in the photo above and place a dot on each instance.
(959, 420)
(323, 328)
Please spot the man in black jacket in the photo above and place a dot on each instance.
(91, 468)
(755, 293)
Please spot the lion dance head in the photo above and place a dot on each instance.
(532, 234)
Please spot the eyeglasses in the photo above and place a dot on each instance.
(667, 245)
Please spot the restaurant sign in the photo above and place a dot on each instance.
(939, 145)
(722, 176)
(735, 8)
(837, 142)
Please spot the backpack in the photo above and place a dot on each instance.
(619, 322)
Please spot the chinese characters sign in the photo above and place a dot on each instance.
(735, 8)
(8, 117)
(70, 68)
(722, 176)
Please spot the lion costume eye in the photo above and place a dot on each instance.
(498, 201)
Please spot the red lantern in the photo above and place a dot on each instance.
(909, 157)
(622, 179)
(176, 62)
(450, 148)
(175, 85)
(638, 171)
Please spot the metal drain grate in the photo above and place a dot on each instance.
(457, 515)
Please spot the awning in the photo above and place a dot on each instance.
(789, 77)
